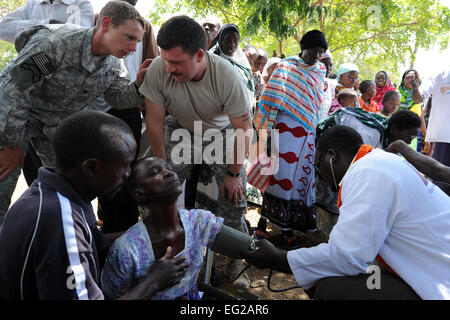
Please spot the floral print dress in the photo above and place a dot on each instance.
(131, 256)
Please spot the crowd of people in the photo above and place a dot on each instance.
(364, 162)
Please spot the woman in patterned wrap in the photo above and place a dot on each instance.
(292, 99)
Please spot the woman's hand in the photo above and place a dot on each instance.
(164, 273)
(167, 271)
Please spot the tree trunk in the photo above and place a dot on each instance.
(280, 46)
(414, 54)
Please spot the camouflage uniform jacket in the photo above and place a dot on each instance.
(53, 76)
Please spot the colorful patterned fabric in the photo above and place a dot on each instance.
(290, 195)
(407, 103)
(290, 103)
(289, 214)
(369, 119)
(325, 197)
(131, 256)
(335, 105)
(382, 91)
(372, 107)
(297, 89)
(406, 100)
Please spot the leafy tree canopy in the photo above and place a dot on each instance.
(7, 51)
(376, 35)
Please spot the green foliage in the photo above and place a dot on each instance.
(7, 50)
(7, 53)
(7, 6)
(374, 34)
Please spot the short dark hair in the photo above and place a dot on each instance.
(119, 12)
(88, 135)
(390, 95)
(365, 85)
(404, 120)
(340, 138)
(184, 32)
(345, 93)
(312, 39)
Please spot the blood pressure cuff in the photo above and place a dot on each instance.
(232, 243)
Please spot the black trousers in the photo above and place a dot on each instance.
(121, 212)
(391, 287)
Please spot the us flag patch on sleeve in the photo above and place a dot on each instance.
(43, 63)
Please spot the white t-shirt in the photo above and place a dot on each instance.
(329, 96)
(406, 222)
(36, 12)
(370, 136)
(438, 88)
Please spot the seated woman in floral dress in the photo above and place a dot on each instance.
(187, 232)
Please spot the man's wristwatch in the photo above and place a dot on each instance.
(234, 175)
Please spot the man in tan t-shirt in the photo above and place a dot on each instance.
(203, 94)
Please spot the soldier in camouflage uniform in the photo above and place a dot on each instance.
(58, 71)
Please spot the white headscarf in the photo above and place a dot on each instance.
(269, 63)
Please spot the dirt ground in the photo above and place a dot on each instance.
(259, 277)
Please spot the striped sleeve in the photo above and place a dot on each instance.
(67, 267)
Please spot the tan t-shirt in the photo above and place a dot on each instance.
(221, 94)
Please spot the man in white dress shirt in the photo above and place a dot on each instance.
(388, 212)
(37, 12)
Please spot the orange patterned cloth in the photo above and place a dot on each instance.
(372, 107)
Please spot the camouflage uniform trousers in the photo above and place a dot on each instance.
(326, 221)
(232, 214)
(44, 150)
